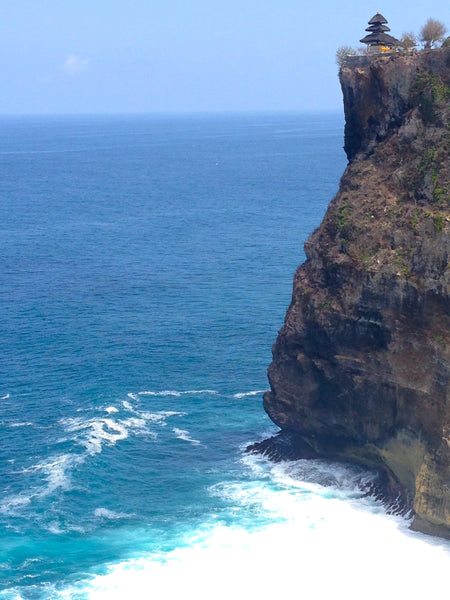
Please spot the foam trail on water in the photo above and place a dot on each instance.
(176, 393)
(161, 416)
(91, 434)
(105, 513)
(182, 434)
(56, 472)
(248, 394)
(56, 475)
(5, 397)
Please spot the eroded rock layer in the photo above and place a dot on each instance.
(361, 368)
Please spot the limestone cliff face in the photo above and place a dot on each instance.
(361, 368)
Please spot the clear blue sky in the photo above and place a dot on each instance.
(118, 56)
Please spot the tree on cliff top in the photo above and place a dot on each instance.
(432, 32)
(343, 52)
(408, 41)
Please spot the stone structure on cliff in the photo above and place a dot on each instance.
(377, 39)
(361, 368)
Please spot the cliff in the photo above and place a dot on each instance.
(361, 368)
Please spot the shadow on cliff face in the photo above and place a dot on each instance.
(378, 91)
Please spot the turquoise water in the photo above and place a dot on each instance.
(146, 266)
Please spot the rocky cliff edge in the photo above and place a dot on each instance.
(361, 368)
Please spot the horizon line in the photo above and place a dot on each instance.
(184, 113)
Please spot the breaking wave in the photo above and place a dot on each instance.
(296, 529)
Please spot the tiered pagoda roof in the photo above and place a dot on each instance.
(377, 33)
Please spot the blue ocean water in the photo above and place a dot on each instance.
(146, 266)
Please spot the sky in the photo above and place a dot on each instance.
(164, 56)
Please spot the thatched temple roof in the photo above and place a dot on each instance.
(378, 36)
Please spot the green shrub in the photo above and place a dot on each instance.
(438, 222)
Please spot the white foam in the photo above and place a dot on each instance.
(312, 476)
(55, 528)
(139, 427)
(22, 424)
(176, 393)
(72, 424)
(319, 474)
(162, 393)
(142, 418)
(132, 396)
(5, 397)
(96, 431)
(134, 423)
(160, 416)
(56, 475)
(248, 394)
(103, 430)
(11, 504)
(57, 472)
(105, 513)
(287, 538)
(207, 392)
(29, 561)
(182, 434)
(339, 556)
(111, 410)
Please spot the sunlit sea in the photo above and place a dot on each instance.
(146, 265)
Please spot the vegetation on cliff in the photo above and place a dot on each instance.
(409, 171)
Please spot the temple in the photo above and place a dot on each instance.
(378, 40)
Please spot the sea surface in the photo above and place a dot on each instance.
(146, 265)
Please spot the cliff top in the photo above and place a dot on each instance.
(392, 212)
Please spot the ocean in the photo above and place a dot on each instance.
(146, 267)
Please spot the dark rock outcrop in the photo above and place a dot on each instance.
(361, 368)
